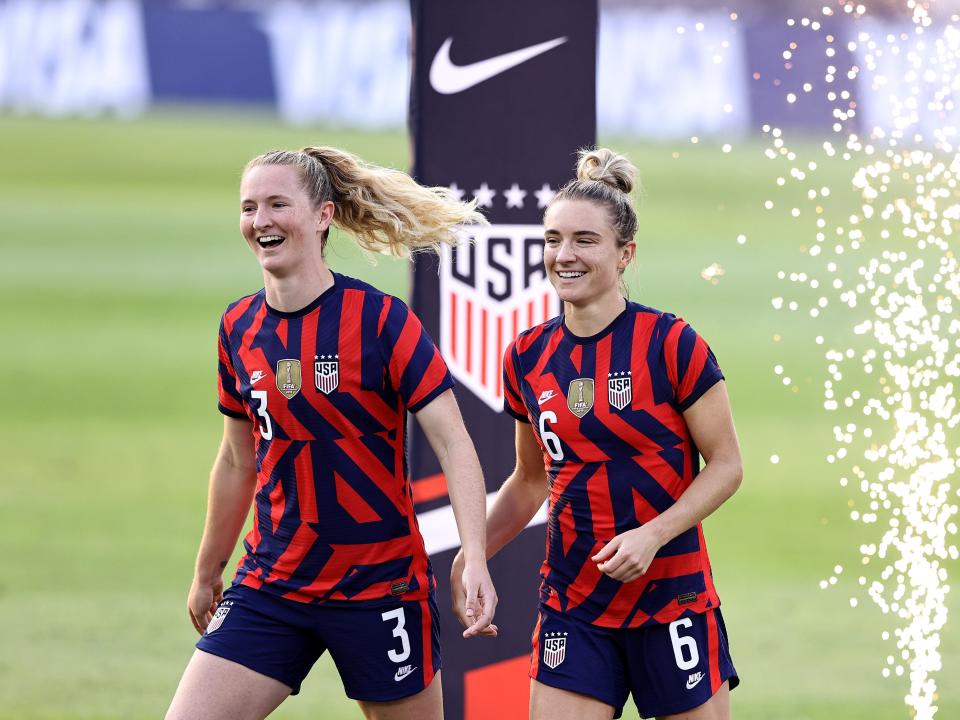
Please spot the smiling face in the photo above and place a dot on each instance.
(581, 254)
(278, 219)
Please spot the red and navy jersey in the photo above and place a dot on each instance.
(607, 411)
(327, 389)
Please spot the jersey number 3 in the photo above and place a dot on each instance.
(266, 428)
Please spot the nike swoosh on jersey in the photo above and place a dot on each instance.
(694, 680)
(448, 79)
(545, 395)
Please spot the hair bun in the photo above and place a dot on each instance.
(606, 166)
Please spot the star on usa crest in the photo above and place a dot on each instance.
(326, 373)
(288, 377)
(554, 649)
(620, 389)
(580, 396)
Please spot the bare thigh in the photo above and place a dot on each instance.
(425, 705)
(213, 688)
(550, 703)
(716, 708)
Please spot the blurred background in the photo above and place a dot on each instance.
(124, 125)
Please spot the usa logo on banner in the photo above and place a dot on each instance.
(488, 79)
(492, 286)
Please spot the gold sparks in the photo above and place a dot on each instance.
(712, 273)
(889, 271)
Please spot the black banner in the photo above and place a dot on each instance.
(503, 94)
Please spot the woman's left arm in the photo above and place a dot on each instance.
(710, 422)
(443, 425)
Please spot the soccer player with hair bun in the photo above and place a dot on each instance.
(316, 374)
(615, 403)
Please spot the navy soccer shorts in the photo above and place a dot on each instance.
(668, 668)
(384, 650)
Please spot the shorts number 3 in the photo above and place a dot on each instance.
(399, 632)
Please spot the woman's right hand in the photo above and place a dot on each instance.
(203, 600)
(458, 598)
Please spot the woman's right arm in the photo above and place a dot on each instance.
(515, 504)
(232, 484)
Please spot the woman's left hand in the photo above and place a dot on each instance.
(629, 554)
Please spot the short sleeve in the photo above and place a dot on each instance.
(512, 397)
(231, 403)
(415, 368)
(691, 365)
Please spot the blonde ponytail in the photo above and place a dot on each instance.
(385, 210)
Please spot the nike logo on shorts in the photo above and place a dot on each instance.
(448, 79)
(694, 680)
(403, 672)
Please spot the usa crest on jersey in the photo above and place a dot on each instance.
(620, 389)
(326, 373)
(554, 649)
(492, 287)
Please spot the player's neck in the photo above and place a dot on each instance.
(294, 292)
(588, 320)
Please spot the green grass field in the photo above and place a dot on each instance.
(120, 249)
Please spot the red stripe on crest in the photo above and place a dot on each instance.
(469, 335)
(483, 347)
(499, 375)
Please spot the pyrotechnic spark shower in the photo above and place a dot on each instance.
(889, 268)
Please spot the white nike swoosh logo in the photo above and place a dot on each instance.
(447, 78)
(398, 677)
(544, 396)
(695, 683)
(257, 376)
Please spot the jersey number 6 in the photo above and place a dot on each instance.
(551, 441)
